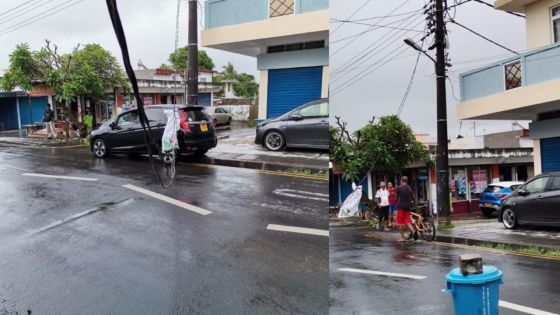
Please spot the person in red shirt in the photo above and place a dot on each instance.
(392, 203)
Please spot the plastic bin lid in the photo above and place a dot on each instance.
(489, 274)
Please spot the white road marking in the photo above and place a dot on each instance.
(523, 309)
(301, 194)
(295, 229)
(381, 273)
(170, 200)
(61, 177)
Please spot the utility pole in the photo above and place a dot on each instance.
(192, 67)
(442, 159)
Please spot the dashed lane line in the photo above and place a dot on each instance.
(523, 309)
(382, 273)
(301, 194)
(295, 229)
(87, 179)
(170, 200)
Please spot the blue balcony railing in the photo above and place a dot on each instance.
(537, 66)
(230, 12)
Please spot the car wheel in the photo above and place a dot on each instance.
(274, 141)
(229, 121)
(99, 148)
(509, 219)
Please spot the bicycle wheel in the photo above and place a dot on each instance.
(429, 233)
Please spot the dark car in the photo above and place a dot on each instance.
(491, 197)
(306, 126)
(534, 203)
(124, 133)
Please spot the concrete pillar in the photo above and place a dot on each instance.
(537, 156)
(263, 94)
(325, 83)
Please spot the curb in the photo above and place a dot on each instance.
(263, 166)
(475, 242)
(44, 145)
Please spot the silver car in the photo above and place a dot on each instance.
(306, 126)
(219, 116)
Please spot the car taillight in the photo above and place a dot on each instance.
(500, 195)
(184, 124)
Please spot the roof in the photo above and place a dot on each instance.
(148, 74)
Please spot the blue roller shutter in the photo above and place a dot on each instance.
(289, 88)
(32, 109)
(8, 113)
(204, 99)
(550, 154)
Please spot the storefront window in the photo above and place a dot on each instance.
(478, 177)
(458, 184)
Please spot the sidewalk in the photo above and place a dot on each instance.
(16, 138)
(237, 148)
(492, 232)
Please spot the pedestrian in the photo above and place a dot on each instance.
(48, 118)
(392, 203)
(382, 197)
(88, 120)
(404, 203)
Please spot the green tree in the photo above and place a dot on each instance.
(179, 59)
(246, 85)
(385, 146)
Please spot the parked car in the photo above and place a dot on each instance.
(124, 133)
(489, 201)
(220, 116)
(534, 203)
(306, 126)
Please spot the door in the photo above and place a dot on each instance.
(529, 208)
(550, 151)
(308, 126)
(290, 88)
(551, 202)
(127, 134)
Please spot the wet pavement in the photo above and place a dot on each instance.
(96, 247)
(528, 281)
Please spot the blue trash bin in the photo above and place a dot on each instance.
(475, 294)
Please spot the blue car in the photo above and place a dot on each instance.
(489, 201)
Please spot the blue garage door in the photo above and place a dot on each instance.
(32, 109)
(550, 154)
(204, 99)
(289, 88)
(8, 113)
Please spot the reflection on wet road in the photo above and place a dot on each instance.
(74, 246)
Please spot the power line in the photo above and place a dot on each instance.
(385, 16)
(16, 14)
(359, 35)
(17, 7)
(38, 17)
(378, 26)
(409, 87)
(354, 13)
(482, 36)
(487, 4)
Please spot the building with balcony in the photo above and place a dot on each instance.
(289, 38)
(525, 86)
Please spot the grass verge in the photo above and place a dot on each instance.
(526, 250)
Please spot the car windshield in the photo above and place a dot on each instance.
(514, 187)
(493, 189)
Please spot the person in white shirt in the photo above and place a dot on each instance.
(382, 198)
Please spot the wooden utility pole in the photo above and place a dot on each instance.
(192, 67)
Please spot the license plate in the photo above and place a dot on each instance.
(488, 205)
(203, 127)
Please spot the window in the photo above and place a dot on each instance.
(493, 189)
(549, 115)
(512, 73)
(156, 116)
(296, 46)
(537, 186)
(555, 185)
(280, 7)
(556, 24)
(128, 119)
(315, 110)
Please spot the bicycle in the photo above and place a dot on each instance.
(423, 223)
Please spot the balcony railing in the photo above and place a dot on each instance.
(516, 72)
(230, 12)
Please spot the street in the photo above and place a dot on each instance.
(84, 236)
(408, 278)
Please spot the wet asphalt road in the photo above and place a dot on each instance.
(133, 254)
(531, 282)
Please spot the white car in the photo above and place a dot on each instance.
(219, 116)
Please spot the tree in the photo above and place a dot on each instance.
(246, 85)
(179, 59)
(383, 147)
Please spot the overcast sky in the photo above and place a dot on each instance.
(380, 92)
(149, 27)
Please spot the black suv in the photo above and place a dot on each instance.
(535, 203)
(124, 133)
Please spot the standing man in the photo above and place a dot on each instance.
(88, 121)
(404, 203)
(392, 203)
(48, 118)
(382, 197)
